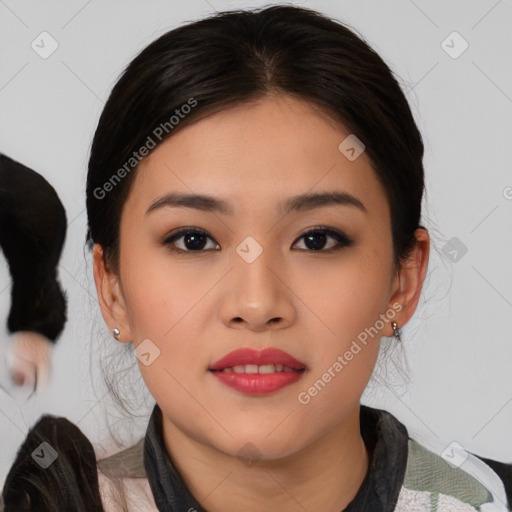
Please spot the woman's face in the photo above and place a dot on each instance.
(262, 276)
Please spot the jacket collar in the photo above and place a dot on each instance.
(169, 490)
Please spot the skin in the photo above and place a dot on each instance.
(198, 306)
(30, 359)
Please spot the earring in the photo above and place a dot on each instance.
(396, 331)
(116, 332)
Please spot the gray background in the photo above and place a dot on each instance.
(459, 343)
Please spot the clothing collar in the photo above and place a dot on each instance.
(384, 436)
(169, 490)
(386, 440)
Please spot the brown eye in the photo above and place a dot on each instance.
(194, 240)
(315, 239)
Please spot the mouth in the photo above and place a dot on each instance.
(254, 368)
(269, 360)
(253, 372)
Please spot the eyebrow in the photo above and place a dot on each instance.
(298, 203)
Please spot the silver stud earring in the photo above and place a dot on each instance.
(396, 331)
(116, 332)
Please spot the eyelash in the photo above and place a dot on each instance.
(342, 239)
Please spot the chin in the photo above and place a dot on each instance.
(260, 446)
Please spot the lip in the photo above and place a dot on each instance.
(245, 356)
(257, 383)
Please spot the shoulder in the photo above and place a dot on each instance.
(123, 484)
(125, 494)
(449, 479)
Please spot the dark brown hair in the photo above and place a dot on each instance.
(240, 56)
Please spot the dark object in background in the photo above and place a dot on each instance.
(55, 471)
(32, 233)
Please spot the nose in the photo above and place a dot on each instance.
(258, 295)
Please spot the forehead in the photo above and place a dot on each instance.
(254, 155)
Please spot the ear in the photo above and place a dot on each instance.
(110, 296)
(408, 281)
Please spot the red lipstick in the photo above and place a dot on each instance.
(255, 372)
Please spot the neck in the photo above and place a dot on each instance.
(325, 475)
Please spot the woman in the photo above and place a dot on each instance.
(254, 204)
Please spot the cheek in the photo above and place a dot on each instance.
(346, 343)
(163, 305)
(345, 296)
(159, 293)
